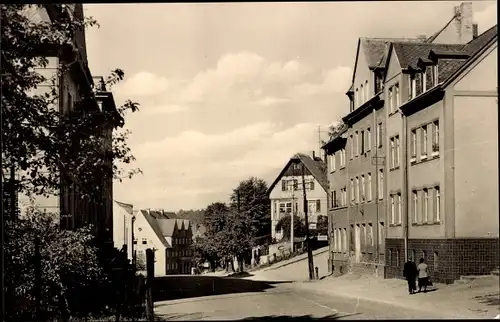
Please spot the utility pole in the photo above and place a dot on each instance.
(292, 215)
(308, 240)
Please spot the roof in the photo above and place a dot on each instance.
(375, 49)
(409, 53)
(156, 228)
(161, 214)
(128, 207)
(316, 167)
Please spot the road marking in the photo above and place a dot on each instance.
(315, 303)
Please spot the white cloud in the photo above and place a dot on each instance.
(486, 18)
(191, 165)
(269, 101)
(143, 84)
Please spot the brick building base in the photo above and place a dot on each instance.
(448, 259)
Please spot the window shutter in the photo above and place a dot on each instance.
(318, 205)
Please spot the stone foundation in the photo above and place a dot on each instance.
(448, 259)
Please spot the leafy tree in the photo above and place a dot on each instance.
(250, 198)
(215, 217)
(322, 225)
(194, 216)
(336, 129)
(299, 227)
(39, 140)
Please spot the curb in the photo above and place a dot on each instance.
(295, 260)
(345, 294)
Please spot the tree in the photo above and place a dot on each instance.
(299, 228)
(250, 197)
(215, 217)
(41, 142)
(322, 225)
(336, 129)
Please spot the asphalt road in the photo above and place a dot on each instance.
(239, 299)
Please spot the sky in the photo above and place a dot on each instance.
(233, 90)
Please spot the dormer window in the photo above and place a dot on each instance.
(431, 77)
(412, 87)
(419, 80)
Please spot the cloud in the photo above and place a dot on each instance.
(269, 101)
(486, 18)
(183, 170)
(143, 84)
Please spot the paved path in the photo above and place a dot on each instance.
(282, 301)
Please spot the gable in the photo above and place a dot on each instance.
(482, 75)
(362, 74)
(393, 66)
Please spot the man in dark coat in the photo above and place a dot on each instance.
(410, 273)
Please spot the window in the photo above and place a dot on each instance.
(334, 199)
(367, 91)
(400, 215)
(370, 232)
(410, 88)
(380, 232)
(283, 185)
(318, 205)
(344, 197)
(436, 74)
(419, 83)
(429, 77)
(389, 101)
(362, 142)
(332, 158)
(398, 255)
(295, 184)
(342, 157)
(424, 142)
(379, 135)
(344, 241)
(415, 205)
(381, 183)
(365, 237)
(356, 143)
(413, 144)
(424, 255)
(393, 217)
(144, 241)
(437, 205)
(356, 189)
(368, 139)
(436, 262)
(356, 98)
(426, 205)
(363, 195)
(369, 189)
(351, 155)
(393, 153)
(311, 184)
(352, 191)
(397, 96)
(435, 138)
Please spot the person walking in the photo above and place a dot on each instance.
(410, 273)
(423, 275)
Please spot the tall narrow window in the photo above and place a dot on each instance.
(367, 91)
(424, 141)
(398, 257)
(393, 152)
(356, 190)
(381, 183)
(363, 195)
(399, 209)
(435, 138)
(381, 233)
(352, 191)
(415, 206)
(426, 205)
(436, 262)
(334, 166)
(410, 87)
(351, 140)
(380, 134)
(342, 157)
(283, 185)
(370, 227)
(368, 139)
(369, 187)
(392, 210)
(362, 142)
(398, 96)
(396, 143)
(437, 204)
(389, 101)
(429, 77)
(356, 143)
(318, 205)
(413, 143)
(344, 242)
(436, 74)
(356, 101)
(365, 234)
(334, 199)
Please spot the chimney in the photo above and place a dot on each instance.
(474, 30)
(464, 22)
(314, 155)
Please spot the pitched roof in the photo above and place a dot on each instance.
(316, 167)
(375, 49)
(156, 228)
(128, 207)
(480, 41)
(409, 53)
(167, 226)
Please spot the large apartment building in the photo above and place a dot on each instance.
(401, 172)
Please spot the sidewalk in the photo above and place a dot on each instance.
(479, 299)
(292, 260)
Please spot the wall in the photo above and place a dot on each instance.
(119, 223)
(277, 196)
(426, 173)
(361, 76)
(459, 31)
(475, 108)
(142, 229)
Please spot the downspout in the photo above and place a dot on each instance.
(404, 135)
(376, 183)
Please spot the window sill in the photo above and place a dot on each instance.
(435, 154)
(395, 225)
(413, 159)
(429, 223)
(395, 168)
(423, 157)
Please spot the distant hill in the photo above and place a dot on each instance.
(194, 216)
